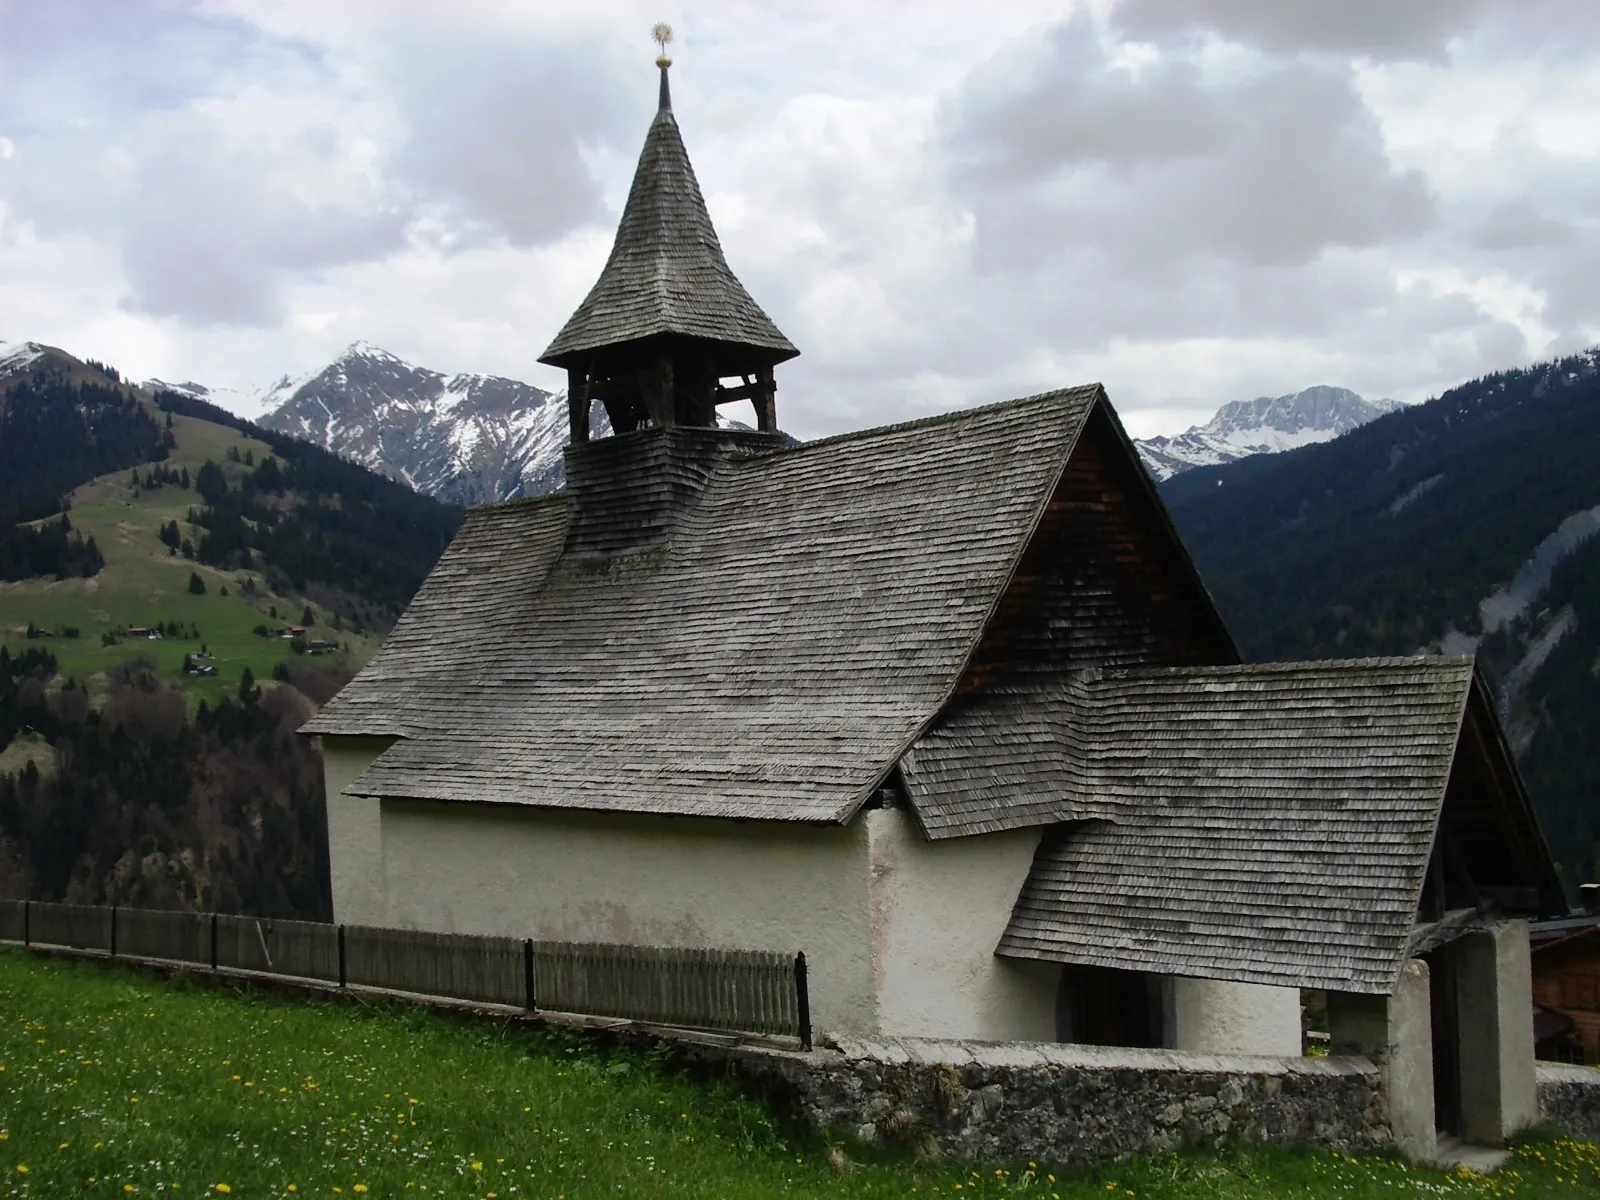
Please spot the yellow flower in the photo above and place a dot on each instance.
(127, 1188)
(63, 1145)
(292, 1188)
(477, 1166)
(224, 1188)
(22, 1168)
(359, 1189)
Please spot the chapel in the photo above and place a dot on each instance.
(944, 704)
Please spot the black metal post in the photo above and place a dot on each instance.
(213, 941)
(802, 999)
(341, 957)
(113, 950)
(527, 974)
(27, 922)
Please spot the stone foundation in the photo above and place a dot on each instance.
(1069, 1103)
(1569, 1098)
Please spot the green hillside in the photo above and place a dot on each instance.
(341, 542)
(138, 769)
(144, 584)
(115, 1083)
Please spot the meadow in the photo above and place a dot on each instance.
(143, 583)
(120, 1083)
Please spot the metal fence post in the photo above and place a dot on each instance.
(213, 941)
(27, 922)
(341, 957)
(802, 1000)
(113, 948)
(527, 974)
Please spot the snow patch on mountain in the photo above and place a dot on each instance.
(465, 439)
(18, 356)
(1266, 425)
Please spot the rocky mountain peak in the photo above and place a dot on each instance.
(466, 439)
(1264, 425)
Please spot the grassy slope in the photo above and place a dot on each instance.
(115, 1083)
(142, 584)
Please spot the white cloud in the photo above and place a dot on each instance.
(941, 204)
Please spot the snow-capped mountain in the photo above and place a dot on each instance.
(18, 356)
(466, 439)
(1262, 426)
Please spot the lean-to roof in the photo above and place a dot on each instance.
(1268, 824)
(811, 613)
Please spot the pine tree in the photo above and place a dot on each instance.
(196, 585)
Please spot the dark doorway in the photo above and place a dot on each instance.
(1444, 1009)
(1102, 1006)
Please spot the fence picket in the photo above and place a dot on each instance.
(743, 991)
(13, 920)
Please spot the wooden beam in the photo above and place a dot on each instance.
(578, 405)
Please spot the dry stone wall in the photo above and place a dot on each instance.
(1569, 1097)
(1068, 1103)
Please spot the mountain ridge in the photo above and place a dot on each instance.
(467, 438)
(1265, 425)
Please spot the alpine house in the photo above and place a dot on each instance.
(943, 704)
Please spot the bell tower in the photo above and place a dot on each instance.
(668, 333)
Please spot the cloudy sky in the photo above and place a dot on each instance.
(940, 203)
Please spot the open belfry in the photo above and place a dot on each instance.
(668, 323)
(944, 705)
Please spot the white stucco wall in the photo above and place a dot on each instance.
(938, 910)
(624, 878)
(355, 836)
(1214, 1017)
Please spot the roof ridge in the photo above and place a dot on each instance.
(551, 498)
(1434, 661)
(944, 418)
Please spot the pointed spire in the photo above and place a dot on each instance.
(667, 275)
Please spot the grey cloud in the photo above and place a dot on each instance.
(495, 125)
(1064, 152)
(1519, 225)
(456, 120)
(1372, 28)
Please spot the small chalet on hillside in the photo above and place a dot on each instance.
(944, 705)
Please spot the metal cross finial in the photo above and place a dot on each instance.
(662, 33)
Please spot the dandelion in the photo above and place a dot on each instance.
(22, 1168)
(127, 1189)
(477, 1166)
(359, 1189)
(224, 1188)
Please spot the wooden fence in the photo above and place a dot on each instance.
(741, 991)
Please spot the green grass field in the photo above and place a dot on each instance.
(117, 1083)
(142, 583)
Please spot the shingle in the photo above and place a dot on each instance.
(666, 273)
(807, 618)
(1268, 824)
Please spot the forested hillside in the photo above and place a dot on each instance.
(178, 590)
(1462, 524)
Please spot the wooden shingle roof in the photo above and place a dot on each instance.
(1268, 824)
(667, 273)
(811, 613)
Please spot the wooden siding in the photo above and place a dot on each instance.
(1566, 978)
(1103, 582)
